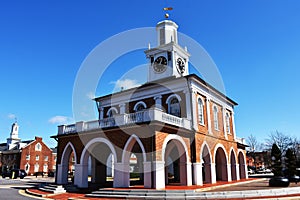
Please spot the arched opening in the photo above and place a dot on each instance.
(175, 164)
(67, 167)
(221, 165)
(206, 165)
(96, 158)
(233, 166)
(134, 157)
(242, 167)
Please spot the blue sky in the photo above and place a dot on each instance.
(255, 45)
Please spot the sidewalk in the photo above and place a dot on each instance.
(245, 189)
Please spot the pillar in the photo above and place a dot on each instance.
(197, 168)
(158, 103)
(159, 174)
(147, 174)
(62, 174)
(208, 115)
(81, 175)
(229, 177)
(213, 173)
(121, 175)
(224, 122)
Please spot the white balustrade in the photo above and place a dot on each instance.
(126, 119)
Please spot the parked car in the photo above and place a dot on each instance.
(14, 173)
(263, 171)
(251, 171)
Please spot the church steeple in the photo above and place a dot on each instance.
(14, 136)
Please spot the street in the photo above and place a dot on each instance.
(9, 188)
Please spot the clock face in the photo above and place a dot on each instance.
(180, 63)
(160, 64)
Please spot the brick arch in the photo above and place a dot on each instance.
(178, 139)
(129, 145)
(242, 164)
(68, 149)
(233, 163)
(93, 142)
(205, 144)
(219, 145)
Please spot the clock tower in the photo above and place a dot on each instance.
(168, 58)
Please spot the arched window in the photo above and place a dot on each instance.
(200, 111)
(174, 107)
(38, 147)
(36, 167)
(27, 167)
(139, 106)
(216, 120)
(227, 117)
(111, 112)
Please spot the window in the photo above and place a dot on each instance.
(37, 157)
(200, 111)
(174, 107)
(27, 157)
(27, 167)
(36, 167)
(46, 158)
(216, 120)
(111, 112)
(227, 117)
(139, 106)
(45, 169)
(38, 147)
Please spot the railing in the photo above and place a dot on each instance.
(126, 119)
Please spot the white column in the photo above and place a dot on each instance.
(188, 105)
(233, 125)
(147, 174)
(101, 113)
(194, 107)
(213, 173)
(158, 103)
(189, 174)
(62, 177)
(229, 177)
(197, 168)
(81, 175)
(224, 121)
(121, 175)
(237, 167)
(122, 108)
(159, 174)
(208, 115)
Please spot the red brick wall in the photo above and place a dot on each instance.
(30, 150)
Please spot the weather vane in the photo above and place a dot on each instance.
(166, 9)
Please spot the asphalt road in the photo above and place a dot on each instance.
(9, 188)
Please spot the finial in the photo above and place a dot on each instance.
(165, 9)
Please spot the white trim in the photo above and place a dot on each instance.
(179, 139)
(64, 152)
(223, 148)
(171, 96)
(110, 109)
(202, 110)
(138, 103)
(216, 118)
(126, 150)
(235, 157)
(201, 151)
(98, 140)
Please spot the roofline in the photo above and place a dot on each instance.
(212, 88)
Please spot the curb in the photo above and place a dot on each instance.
(38, 194)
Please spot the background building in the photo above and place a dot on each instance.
(32, 155)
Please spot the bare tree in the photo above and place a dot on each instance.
(281, 140)
(254, 146)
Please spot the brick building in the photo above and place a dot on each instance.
(176, 128)
(32, 155)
